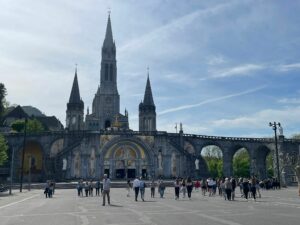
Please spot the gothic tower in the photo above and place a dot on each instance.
(147, 114)
(74, 118)
(106, 103)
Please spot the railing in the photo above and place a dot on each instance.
(147, 133)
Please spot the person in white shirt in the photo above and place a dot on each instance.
(106, 189)
(136, 186)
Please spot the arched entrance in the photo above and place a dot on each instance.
(264, 166)
(241, 163)
(33, 160)
(125, 160)
(107, 124)
(213, 157)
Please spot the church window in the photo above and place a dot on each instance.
(111, 69)
(106, 71)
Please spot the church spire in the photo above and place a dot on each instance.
(108, 35)
(148, 98)
(75, 95)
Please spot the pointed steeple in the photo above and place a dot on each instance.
(75, 95)
(148, 98)
(108, 35)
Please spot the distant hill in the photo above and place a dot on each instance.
(32, 111)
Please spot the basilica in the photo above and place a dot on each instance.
(101, 141)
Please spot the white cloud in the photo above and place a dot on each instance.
(183, 107)
(288, 67)
(289, 100)
(260, 120)
(240, 70)
(215, 60)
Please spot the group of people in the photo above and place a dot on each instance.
(88, 188)
(139, 186)
(49, 188)
(226, 188)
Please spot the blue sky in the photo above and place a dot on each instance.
(220, 67)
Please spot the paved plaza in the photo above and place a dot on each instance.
(65, 208)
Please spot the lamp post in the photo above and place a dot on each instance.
(274, 126)
(29, 172)
(11, 170)
(23, 155)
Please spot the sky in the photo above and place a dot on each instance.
(224, 68)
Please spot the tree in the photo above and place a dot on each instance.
(241, 163)
(2, 98)
(3, 149)
(33, 125)
(270, 165)
(214, 160)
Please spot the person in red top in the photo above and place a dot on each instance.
(197, 185)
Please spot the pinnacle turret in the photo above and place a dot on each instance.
(148, 98)
(75, 95)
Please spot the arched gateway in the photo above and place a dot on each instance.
(126, 158)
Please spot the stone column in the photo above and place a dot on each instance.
(227, 163)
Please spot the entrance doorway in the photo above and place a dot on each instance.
(144, 173)
(120, 173)
(131, 173)
(106, 171)
(107, 124)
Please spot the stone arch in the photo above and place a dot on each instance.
(233, 153)
(56, 147)
(127, 157)
(33, 159)
(259, 166)
(212, 155)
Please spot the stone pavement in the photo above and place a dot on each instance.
(32, 208)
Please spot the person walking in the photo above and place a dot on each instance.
(245, 186)
(142, 188)
(106, 189)
(197, 185)
(152, 188)
(253, 187)
(86, 189)
(78, 187)
(136, 186)
(228, 188)
(189, 187)
(97, 187)
(203, 186)
(91, 191)
(183, 187)
(177, 188)
(161, 188)
(128, 188)
(233, 184)
(46, 190)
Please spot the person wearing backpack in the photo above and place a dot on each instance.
(142, 188)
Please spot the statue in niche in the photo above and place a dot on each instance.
(159, 157)
(197, 164)
(92, 163)
(173, 164)
(77, 164)
(65, 163)
(280, 130)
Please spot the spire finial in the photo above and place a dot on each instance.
(148, 71)
(109, 11)
(75, 68)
